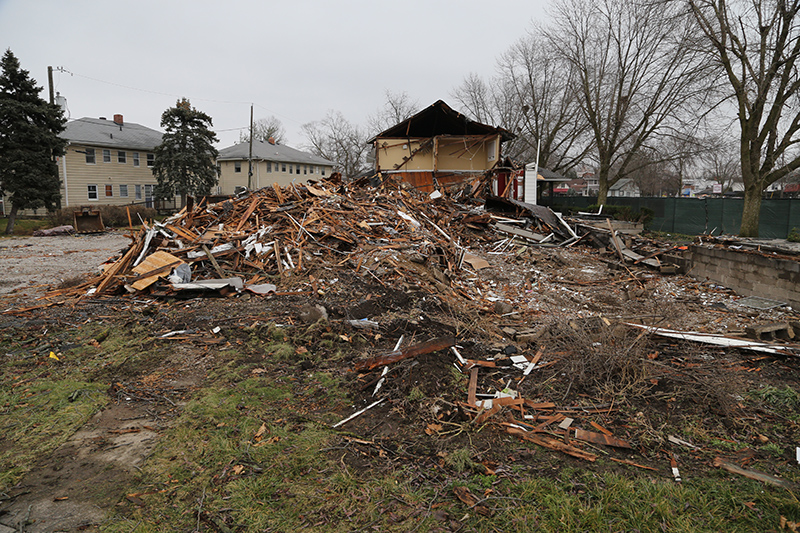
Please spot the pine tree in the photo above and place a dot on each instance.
(29, 142)
(185, 159)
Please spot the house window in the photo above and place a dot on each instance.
(269, 166)
(136, 159)
(106, 156)
(151, 159)
(237, 166)
(283, 167)
(491, 151)
(90, 160)
(291, 169)
(91, 191)
(137, 191)
(122, 157)
(305, 169)
(109, 191)
(323, 170)
(123, 191)
(312, 169)
(298, 169)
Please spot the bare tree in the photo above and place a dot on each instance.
(397, 108)
(265, 129)
(721, 162)
(476, 98)
(340, 141)
(756, 43)
(637, 74)
(654, 174)
(539, 85)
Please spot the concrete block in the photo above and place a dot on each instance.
(769, 331)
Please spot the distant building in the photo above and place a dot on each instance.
(624, 187)
(107, 162)
(592, 184)
(577, 187)
(272, 163)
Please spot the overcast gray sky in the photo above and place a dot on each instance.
(294, 59)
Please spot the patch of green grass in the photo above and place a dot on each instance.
(38, 418)
(416, 394)
(778, 397)
(460, 460)
(772, 449)
(23, 226)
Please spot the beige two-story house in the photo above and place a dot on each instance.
(272, 163)
(438, 146)
(107, 162)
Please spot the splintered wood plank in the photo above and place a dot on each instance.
(600, 428)
(530, 404)
(600, 438)
(154, 266)
(473, 386)
(118, 267)
(485, 415)
(753, 474)
(252, 207)
(278, 193)
(552, 444)
(434, 345)
(631, 463)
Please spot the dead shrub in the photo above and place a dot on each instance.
(699, 377)
(114, 216)
(602, 360)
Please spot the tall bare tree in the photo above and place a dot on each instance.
(637, 74)
(265, 129)
(340, 141)
(476, 98)
(540, 85)
(397, 108)
(756, 43)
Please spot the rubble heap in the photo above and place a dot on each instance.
(273, 236)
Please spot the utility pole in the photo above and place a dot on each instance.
(250, 158)
(50, 84)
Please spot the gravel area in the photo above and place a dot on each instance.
(29, 265)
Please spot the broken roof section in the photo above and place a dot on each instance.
(440, 119)
(439, 147)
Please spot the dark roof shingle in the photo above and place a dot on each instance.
(102, 132)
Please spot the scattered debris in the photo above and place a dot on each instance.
(753, 474)
(54, 232)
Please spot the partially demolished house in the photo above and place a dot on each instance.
(438, 147)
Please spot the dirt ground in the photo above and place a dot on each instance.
(76, 487)
(30, 264)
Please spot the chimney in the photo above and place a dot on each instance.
(118, 119)
(271, 140)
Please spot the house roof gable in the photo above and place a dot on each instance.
(270, 152)
(109, 134)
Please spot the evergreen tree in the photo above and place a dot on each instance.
(185, 159)
(29, 142)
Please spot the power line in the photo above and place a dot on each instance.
(62, 69)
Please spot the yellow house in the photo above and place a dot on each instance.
(272, 163)
(107, 162)
(440, 146)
